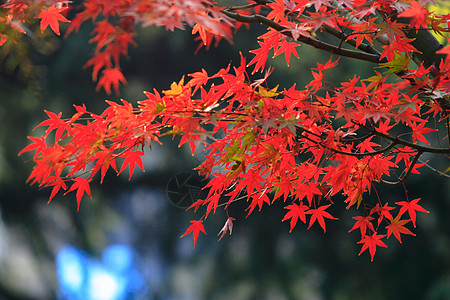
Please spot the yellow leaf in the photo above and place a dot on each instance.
(263, 92)
(175, 88)
(442, 7)
(447, 170)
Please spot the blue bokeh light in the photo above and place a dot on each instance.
(70, 265)
(115, 277)
(118, 258)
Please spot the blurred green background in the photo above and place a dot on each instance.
(128, 234)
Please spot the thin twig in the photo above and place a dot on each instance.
(433, 169)
(401, 180)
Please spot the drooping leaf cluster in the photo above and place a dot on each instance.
(305, 146)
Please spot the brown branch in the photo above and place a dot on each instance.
(363, 46)
(396, 140)
(380, 151)
(304, 39)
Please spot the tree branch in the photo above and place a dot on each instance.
(363, 46)
(396, 140)
(304, 39)
(359, 155)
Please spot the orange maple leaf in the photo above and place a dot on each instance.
(51, 16)
(201, 31)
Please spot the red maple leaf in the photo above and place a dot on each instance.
(371, 242)
(104, 161)
(277, 12)
(283, 188)
(51, 16)
(37, 144)
(195, 228)
(111, 76)
(328, 65)
(319, 214)
(383, 211)
(307, 190)
(132, 158)
(360, 28)
(216, 184)
(196, 205)
(57, 183)
(367, 145)
(261, 55)
(212, 201)
(363, 223)
(258, 199)
(396, 227)
(411, 207)
(82, 186)
(404, 153)
(416, 166)
(384, 127)
(99, 61)
(287, 48)
(317, 82)
(418, 131)
(295, 212)
(54, 122)
(201, 31)
(198, 79)
(417, 14)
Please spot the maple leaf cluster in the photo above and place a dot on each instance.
(302, 145)
(114, 23)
